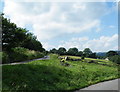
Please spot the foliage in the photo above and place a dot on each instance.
(32, 43)
(80, 53)
(92, 55)
(13, 36)
(0, 57)
(115, 58)
(111, 53)
(50, 75)
(87, 52)
(82, 57)
(4, 57)
(61, 51)
(72, 51)
(21, 54)
(54, 51)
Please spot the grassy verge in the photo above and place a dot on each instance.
(51, 75)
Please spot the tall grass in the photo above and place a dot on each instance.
(18, 54)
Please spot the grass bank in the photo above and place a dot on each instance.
(51, 75)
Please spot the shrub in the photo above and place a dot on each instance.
(18, 54)
(115, 59)
(23, 54)
(0, 57)
(4, 57)
(82, 57)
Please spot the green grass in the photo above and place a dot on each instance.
(98, 61)
(51, 75)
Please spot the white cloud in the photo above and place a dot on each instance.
(104, 43)
(47, 46)
(111, 26)
(49, 20)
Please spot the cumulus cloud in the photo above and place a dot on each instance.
(48, 46)
(111, 26)
(48, 20)
(104, 43)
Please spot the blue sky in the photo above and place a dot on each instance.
(83, 25)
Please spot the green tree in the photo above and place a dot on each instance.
(32, 43)
(111, 53)
(13, 36)
(93, 55)
(53, 51)
(115, 58)
(80, 53)
(72, 51)
(87, 52)
(61, 51)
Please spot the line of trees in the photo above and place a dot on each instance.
(111, 55)
(13, 36)
(74, 51)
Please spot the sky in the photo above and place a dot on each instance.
(82, 25)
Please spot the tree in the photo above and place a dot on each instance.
(72, 51)
(13, 36)
(32, 43)
(53, 51)
(87, 52)
(93, 55)
(111, 53)
(80, 53)
(115, 58)
(62, 51)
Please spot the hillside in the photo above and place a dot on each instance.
(51, 75)
(104, 53)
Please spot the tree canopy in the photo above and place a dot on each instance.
(61, 51)
(72, 51)
(53, 51)
(87, 52)
(13, 36)
(111, 53)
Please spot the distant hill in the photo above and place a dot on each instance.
(101, 53)
(104, 53)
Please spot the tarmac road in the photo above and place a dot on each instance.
(44, 58)
(107, 85)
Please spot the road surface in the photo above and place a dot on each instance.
(44, 58)
(107, 85)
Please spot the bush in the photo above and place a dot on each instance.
(82, 57)
(18, 54)
(4, 57)
(115, 59)
(22, 54)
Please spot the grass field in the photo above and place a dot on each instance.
(98, 61)
(51, 75)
